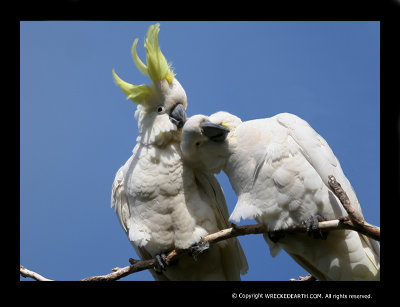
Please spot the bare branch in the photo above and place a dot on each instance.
(308, 277)
(355, 222)
(355, 219)
(136, 266)
(28, 273)
(234, 231)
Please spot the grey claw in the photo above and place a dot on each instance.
(161, 263)
(312, 227)
(198, 248)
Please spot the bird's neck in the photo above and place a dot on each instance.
(237, 170)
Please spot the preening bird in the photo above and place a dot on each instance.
(279, 169)
(161, 203)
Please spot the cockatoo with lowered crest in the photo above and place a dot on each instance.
(161, 203)
(279, 169)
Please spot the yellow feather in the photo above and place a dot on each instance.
(157, 67)
(138, 62)
(136, 93)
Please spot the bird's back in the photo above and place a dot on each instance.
(286, 184)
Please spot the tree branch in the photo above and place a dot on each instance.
(308, 277)
(354, 221)
(234, 231)
(28, 273)
(140, 265)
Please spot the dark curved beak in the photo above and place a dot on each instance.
(178, 115)
(214, 132)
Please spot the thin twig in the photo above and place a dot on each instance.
(355, 219)
(308, 277)
(28, 273)
(136, 266)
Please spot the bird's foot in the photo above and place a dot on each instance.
(274, 236)
(313, 229)
(198, 248)
(161, 263)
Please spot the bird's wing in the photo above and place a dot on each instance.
(319, 154)
(234, 257)
(119, 200)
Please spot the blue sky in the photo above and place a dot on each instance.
(77, 128)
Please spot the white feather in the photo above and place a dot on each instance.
(162, 204)
(279, 169)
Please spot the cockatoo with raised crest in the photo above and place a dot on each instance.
(279, 169)
(161, 203)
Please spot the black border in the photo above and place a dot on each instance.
(385, 11)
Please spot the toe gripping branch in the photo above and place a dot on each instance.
(198, 248)
(313, 229)
(161, 263)
(162, 260)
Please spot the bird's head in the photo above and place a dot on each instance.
(161, 110)
(206, 140)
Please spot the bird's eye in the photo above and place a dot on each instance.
(197, 144)
(161, 110)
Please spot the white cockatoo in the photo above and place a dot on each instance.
(161, 203)
(279, 169)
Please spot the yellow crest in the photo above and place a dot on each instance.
(157, 67)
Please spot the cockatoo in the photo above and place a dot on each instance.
(279, 168)
(161, 203)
